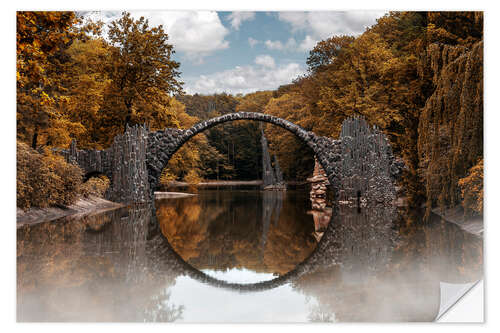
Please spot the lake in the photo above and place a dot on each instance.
(243, 255)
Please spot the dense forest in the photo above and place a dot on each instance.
(418, 76)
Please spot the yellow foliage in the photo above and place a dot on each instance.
(95, 186)
(472, 189)
(295, 158)
(179, 221)
(41, 39)
(192, 177)
(45, 180)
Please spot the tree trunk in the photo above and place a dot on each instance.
(35, 138)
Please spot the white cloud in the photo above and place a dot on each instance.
(298, 20)
(290, 45)
(308, 43)
(244, 79)
(322, 25)
(252, 41)
(196, 33)
(237, 18)
(265, 60)
(274, 45)
(325, 24)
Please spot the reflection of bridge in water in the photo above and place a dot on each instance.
(354, 241)
(361, 260)
(272, 203)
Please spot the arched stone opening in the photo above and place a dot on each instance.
(162, 145)
(92, 174)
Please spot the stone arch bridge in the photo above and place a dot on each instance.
(361, 161)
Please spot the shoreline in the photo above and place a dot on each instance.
(215, 183)
(82, 207)
(229, 183)
(172, 195)
(472, 225)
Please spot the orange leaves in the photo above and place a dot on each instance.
(386, 75)
(69, 77)
(471, 188)
(95, 186)
(138, 90)
(40, 38)
(295, 158)
(45, 99)
(179, 221)
(326, 51)
(463, 28)
(45, 179)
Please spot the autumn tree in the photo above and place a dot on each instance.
(295, 157)
(189, 162)
(455, 28)
(142, 73)
(471, 188)
(98, 69)
(85, 80)
(41, 37)
(401, 75)
(208, 106)
(326, 51)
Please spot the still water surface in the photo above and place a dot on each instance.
(243, 255)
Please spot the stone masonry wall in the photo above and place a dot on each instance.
(91, 161)
(130, 174)
(363, 164)
(360, 161)
(124, 163)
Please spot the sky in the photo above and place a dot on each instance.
(242, 52)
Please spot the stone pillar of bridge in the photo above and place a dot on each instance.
(362, 168)
(129, 176)
(365, 166)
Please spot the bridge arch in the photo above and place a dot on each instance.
(162, 145)
(360, 160)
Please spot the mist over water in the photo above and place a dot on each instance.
(242, 255)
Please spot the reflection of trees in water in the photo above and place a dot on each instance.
(318, 314)
(159, 310)
(367, 267)
(180, 220)
(91, 269)
(367, 271)
(263, 231)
